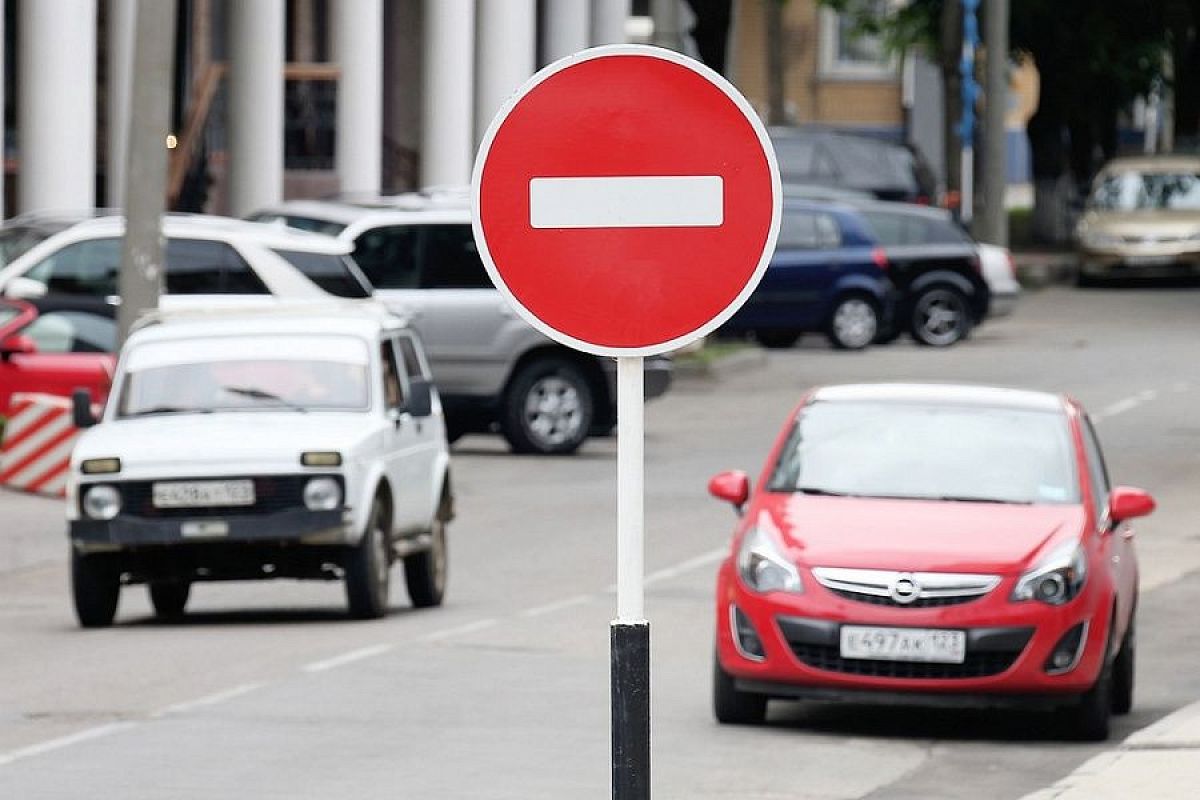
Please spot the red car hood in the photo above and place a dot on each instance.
(919, 535)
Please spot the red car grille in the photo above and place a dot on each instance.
(922, 602)
(977, 665)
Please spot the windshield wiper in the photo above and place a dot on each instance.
(259, 394)
(145, 412)
(822, 492)
(971, 499)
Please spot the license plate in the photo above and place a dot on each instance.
(195, 494)
(1149, 261)
(904, 644)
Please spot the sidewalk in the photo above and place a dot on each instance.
(1160, 762)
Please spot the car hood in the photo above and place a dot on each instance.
(1157, 222)
(222, 439)
(917, 535)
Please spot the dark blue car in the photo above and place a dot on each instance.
(828, 274)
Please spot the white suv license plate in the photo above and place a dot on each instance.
(198, 494)
(904, 644)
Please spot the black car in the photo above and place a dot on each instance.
(935, 267)
(884, 170)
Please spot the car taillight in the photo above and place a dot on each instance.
(922, 200)
(1012, 265)
(880, 258)
(975, 263)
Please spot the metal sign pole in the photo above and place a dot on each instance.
(629, 640)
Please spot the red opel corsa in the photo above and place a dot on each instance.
(940, 545)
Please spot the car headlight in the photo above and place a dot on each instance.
(1058, 579)
(761, 562)
(101, 501)
(322, 494)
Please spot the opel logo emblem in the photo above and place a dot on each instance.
(904, 589)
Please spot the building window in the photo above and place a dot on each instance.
(847, 53)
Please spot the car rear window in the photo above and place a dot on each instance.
(806, 230)
(334, 273)
(898, 229)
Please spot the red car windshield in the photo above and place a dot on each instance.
(929, 451)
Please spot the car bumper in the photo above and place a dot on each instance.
(1157, 263)
(1007, 647)
(1003, 303)
(295, 526)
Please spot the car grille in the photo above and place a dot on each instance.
(271, 494)
(904, 589)
(976, 665)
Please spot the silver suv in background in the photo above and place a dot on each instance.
(493, 371)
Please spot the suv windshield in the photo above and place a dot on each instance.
(336, 274)
(1138, 191)
(928, 451)
(257, 373)
(17, 241)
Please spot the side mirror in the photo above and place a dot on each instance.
(17, 344)
(731, 486)
(420, 397)
(81, 409)
(25, 288)
(1125, 503)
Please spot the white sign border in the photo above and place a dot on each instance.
(674, 58)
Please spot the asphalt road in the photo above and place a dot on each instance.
(266, 690)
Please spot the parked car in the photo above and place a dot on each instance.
(285, 444)
(937, 545)
(1000, 271)
(1142, 219)
(936, 268)
(211, 260)
(828, 274)
(885, 170)
(55, 345)
(493, 370)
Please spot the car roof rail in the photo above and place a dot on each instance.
(365, 307)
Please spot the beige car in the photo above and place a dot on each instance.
(1142, 219)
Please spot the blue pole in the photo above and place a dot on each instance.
(970, 91)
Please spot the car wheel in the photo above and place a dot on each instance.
(1089, 718)
(169, 598)
(1124, 672)
(425, 573)
(776, 339)
(368, 565)
(548, 408)
(95, 587)
(854, 323)
(940, 317)
(732, 707)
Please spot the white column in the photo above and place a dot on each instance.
(564, 28)
(358, 48)
(256, 40)
(608, 21)
(121, 17)
(447, 131)
(57, 96)
(505, 54)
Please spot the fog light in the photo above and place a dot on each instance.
(322, 494)
(101, 502)
(1067, 652)
(744, 636)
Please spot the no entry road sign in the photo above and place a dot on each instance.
(626, 200)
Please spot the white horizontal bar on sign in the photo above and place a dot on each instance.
(644, 201)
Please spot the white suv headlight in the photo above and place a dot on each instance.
(322, 494)
(1058, 579)
(761, 561)
(101, 501)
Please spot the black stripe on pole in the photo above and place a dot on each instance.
(629, 645)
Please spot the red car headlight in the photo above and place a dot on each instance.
(1058, 579)
(762, 563)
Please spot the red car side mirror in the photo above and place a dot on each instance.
(17, 344)
(1125, 503)
(731, 486)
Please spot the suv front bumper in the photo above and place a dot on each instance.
(298, 526)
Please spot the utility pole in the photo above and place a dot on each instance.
(142, 263)
(992, 224)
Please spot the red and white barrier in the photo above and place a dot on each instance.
(36, 452)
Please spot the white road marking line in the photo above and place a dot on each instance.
(558, 605)
(702, 560)
(348, 658)
(64, 741)
(470, 627)
(208, 700)
(1125, 404)
(642, 201)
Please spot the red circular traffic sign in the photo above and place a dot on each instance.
(626, 200)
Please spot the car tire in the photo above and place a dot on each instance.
(854, 322)
(1124, 672)
(368, 567)
(732, 707)
(1089, 718)
(425, 572)
(548, 407)
(169, 598)
(777, 339)
(95, 588)
(941, 316)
